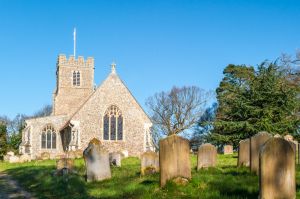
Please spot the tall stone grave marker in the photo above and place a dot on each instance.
(244, 153)
(207, 156)
(174, 159)
(256, 142)
(149, 163)
(228, 149)
(277, 170)
(96, 161)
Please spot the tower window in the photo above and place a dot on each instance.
(113, 124)
(76, 78)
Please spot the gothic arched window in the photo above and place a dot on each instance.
(76, 78)
(113, 124)
(48, 138)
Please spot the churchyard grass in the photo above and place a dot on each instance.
(224, 181)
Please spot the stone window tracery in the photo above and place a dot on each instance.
(48, 138)
(76, 78)
(113, 124)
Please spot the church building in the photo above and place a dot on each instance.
(82, 112)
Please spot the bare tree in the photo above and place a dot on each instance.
(178, 110)
(43, 112)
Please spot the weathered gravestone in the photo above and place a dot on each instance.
(24, 158)
(207, 156)
(228, 149)
(78, 153)
(256, 142)
(277, 170)
(244, 153)
(115, 159)
(293, 143)
(174, 159)
(64, 166)
(96, 161)
(45, 156)
(66, 163)
(71, 154)
(149, 163)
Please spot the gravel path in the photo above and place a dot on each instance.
(10, 189)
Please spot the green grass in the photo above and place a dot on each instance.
(224, 181)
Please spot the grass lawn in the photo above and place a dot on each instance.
(224, 181)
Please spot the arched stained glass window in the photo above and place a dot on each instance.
(113, 124)
(48, 138)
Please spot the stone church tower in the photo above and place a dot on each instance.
(74, 83)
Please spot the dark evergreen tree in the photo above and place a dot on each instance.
(251, 101)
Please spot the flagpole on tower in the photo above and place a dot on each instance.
(74, 38)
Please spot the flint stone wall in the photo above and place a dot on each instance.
(277, 170)
(244, 153)
(174, 159)
(207, 156)
(256, 142)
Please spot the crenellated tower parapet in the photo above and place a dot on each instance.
(72, 61)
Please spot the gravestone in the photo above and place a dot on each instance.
(71, 154)
(124, 153)
(13, 159)
(207, 156)
(256, 142)
(228, 149)
(24, 158)
(244, 153)
(288, 137)
(96, 161)
(149, 163)
(65, 163)
(78, 153)
(174, 159)
(277, 170)
(115, 159)
(45, 156)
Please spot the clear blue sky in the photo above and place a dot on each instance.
(156, 44)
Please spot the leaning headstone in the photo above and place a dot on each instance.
(115, 159)
(256, 142)
(96, 161)
(174, 159)
(45, 156)
(244, 153)
(149, 163)
(277, 170)
(207, 156)
(228, 149)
